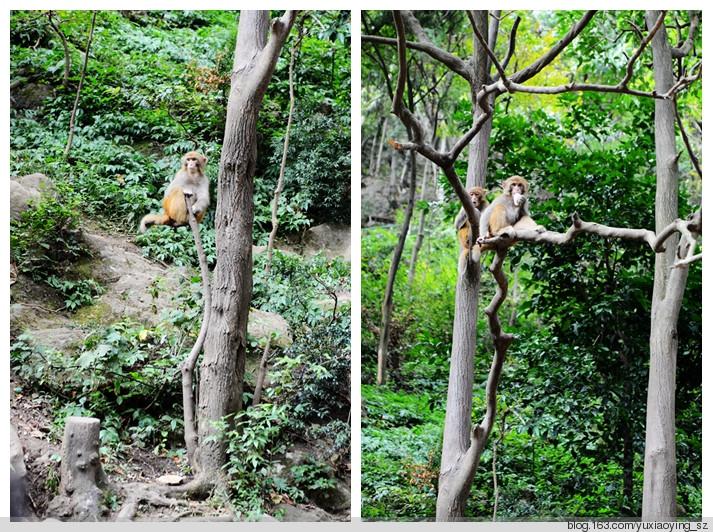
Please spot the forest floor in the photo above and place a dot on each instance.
(31, 415)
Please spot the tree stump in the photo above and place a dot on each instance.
(81, 474)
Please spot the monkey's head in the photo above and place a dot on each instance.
(193, 161)
(516, 187)
(477, 196)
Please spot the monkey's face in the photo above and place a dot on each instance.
(516, 187)
(192, 163)
(517, 192)
(476, 197)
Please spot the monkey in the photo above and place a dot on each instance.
(480, 202)
(190, 180)
(507, 212)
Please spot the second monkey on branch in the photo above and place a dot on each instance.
(189, 180)
(507, 212)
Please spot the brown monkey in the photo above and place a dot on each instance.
(191, 180)
(507, 212)
(477, 196)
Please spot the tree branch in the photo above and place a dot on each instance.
(188, 365)
(533, 69)
(456, 64)
(685, 48)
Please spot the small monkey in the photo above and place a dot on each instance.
(190, 180)
(477, 196)
(507, 212)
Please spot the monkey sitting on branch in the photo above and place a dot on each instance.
(477, 196)
(189, 180)
(507, 212)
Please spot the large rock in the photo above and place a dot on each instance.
(335, 499)
(26, 188)
(333, 239)
(262, 324)
(295, 514)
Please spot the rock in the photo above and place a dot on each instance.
(333, 239)
(170, 480)
(26, 188)
(335, 499)
(262, 324)
(294, 514)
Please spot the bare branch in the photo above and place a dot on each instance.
(533, 69)
(640, 49)
(578, 226)
(511, 43)
(456, 64)
(685, 48)
(412, 124)
(686, 142)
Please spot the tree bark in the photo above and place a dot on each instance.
(461, 456)
(81, 474)
(223, 365)
(659, 496)
(421, 224)
(387, 306)
(280, 181)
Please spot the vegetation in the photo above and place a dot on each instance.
(156, 86)
(569, 437)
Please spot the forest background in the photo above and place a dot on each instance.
(569, 437)
(155, 85)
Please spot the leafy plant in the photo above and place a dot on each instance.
(252, 444)
(46, 235)
(76, 293)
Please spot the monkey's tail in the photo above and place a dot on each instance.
(154, 219)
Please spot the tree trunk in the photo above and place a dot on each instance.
(262, 373)
(460, 459)
(457, 474)
(421, 224)
(223, 365)
(281, 179)
(659, 496)
(82, 476)
(387, 306)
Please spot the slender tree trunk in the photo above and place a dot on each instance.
(421, 224)
(280, 181)
(380, 148)
(79, 87)
(374, 146)
(55, 26)
(223, 365)
(387, 306)
(659, 497)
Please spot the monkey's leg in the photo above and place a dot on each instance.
(528, 224)
(175, 207)
(498, 221)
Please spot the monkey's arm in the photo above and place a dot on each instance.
(202, 194)
(461, 218)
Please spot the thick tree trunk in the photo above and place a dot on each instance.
(223, 365)
(456, 473)
(461, 449)
(659, 497)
